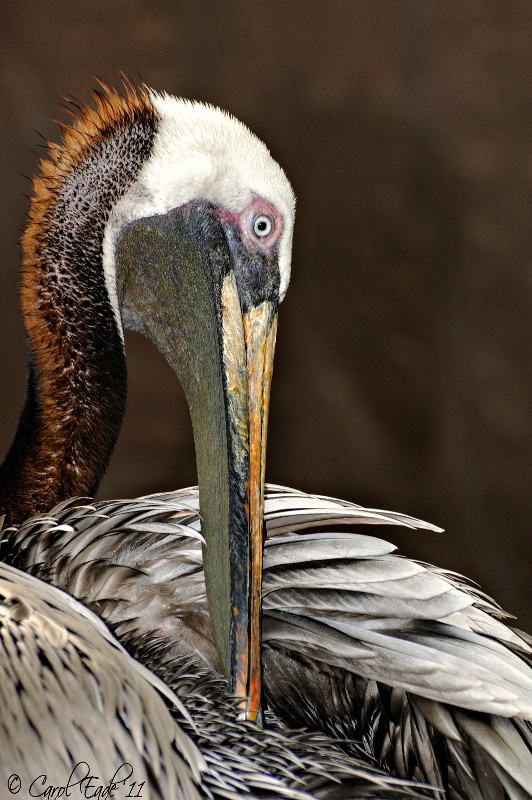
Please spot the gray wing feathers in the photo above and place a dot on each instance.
(70, 694)
(413, 627)
(501, 741)
(343, 601)
(462, 678)
(378, 601)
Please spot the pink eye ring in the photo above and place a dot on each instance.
(261, 223)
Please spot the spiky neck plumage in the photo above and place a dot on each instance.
(76, 390)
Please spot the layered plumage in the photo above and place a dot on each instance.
(398, 660)
(74, 704)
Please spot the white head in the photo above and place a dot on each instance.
(202, 152)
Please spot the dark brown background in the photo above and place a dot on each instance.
(403, 373)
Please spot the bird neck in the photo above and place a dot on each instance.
(62, 445)
(77, 382)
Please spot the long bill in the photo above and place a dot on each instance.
(248, 391)
(177, 283)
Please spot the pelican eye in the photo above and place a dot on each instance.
(262, 226)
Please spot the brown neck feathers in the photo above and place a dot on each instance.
(76, 391)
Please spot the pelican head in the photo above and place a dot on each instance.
(170, 218)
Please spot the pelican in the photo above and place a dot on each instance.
(113, 237)
(171, 218)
